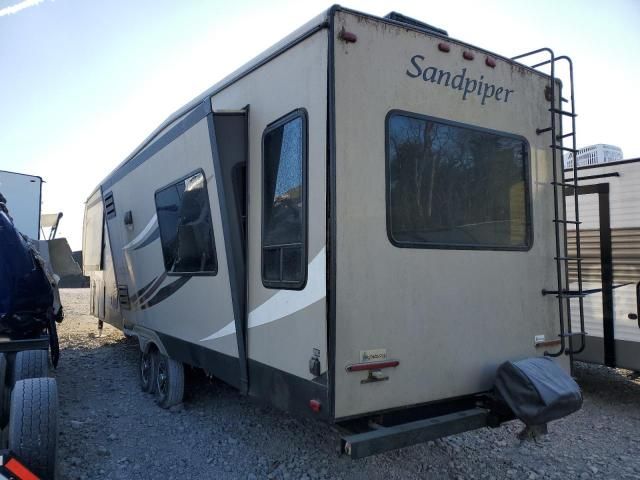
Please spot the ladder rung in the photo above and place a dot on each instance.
(571, 295)
(564, 100)
(563, 112)
(573, 334)
(560, 137)
(569, 259)
(542, 130)
(566, 149)
(560, 184)
(564, 293)
(573, 222)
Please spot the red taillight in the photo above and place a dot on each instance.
(444, 47)
(360, 367)
(490, 62)
(348, 36)
(315, 405)
(467, 55)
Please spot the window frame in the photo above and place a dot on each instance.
(209, 273)
(280, 284)
(528, 239)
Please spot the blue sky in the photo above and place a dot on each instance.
(84, 81)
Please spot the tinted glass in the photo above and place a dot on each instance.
(283, 204)
(186, 232)
(455, 186)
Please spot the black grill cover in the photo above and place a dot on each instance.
(26, 295)
(537, 390)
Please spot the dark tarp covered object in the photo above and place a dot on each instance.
(26, 294)
(537, 390)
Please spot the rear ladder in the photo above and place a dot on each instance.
(563, 292)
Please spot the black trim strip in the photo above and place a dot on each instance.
(331, 227)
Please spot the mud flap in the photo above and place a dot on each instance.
(54, 344)
(537, 390)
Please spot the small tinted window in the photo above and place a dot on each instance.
(186, 232)
(284, 203)
(455, 186)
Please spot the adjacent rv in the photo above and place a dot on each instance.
(23, 196)
(357, 225)
(610, 242)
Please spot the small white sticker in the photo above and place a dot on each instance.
(539, 339)
(373, 355)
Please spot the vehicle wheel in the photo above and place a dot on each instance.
(33, 424)
(148, 371)
(31, 364)
(169, 381)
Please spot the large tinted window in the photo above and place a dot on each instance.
(455, 186)
(186, 232)
(284, 262)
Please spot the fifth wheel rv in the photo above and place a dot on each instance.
(364, 241)
(610, 243)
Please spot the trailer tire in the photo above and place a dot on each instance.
(148, 370)
(169, 381)
(31, 364)
(33, 424)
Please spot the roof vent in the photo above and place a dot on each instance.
(398, 17)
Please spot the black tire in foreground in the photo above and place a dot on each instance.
(33, 424)
(31, 364)
(148, 371)
(169, 381)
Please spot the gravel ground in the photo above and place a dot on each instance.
(110, 429)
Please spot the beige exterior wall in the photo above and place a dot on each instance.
(293, 80)
(449, 316)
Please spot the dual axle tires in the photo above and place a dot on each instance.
(162, 376)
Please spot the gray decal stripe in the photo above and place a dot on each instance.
(144, 297)
(154, 236)
(166, 291)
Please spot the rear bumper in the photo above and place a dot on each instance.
(381, 439)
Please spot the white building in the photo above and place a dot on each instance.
(594, 155)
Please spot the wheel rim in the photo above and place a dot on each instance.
(162, 378)
(145, 368)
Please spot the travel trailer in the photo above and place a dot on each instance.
(610, 243)
(357, 225)
(23, 194)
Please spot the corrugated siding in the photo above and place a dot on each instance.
(625, 244)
